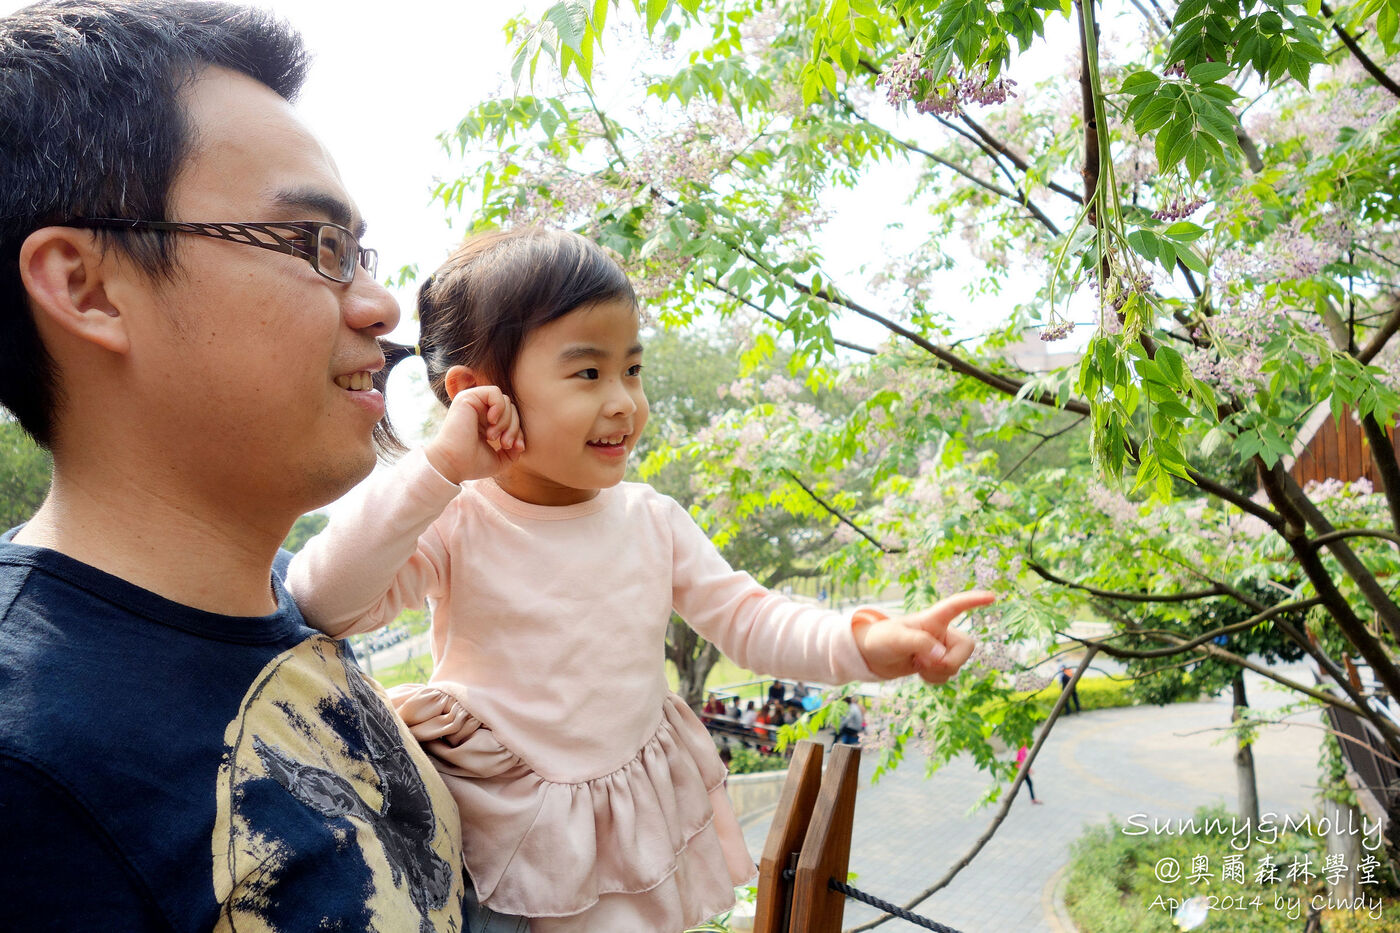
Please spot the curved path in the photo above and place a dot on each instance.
(1158, 761)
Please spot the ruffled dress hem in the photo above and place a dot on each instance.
(651, 846)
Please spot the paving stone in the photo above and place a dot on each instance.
(1159, 761)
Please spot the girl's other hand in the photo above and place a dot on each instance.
(480, 435)
(922, 642)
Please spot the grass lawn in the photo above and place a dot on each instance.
(725, 672)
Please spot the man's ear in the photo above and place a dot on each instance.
(63, 271)
(460, 377)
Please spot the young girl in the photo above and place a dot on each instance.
(591, 797)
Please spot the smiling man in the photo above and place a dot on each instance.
(188, 323)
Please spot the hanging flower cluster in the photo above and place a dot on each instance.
(906, 79)
(1178, 208)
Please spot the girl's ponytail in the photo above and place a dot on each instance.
(386, 440)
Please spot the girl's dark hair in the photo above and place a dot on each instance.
(478, 307)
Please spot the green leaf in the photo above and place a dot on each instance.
(1171, 363)
(1387, 20)
(570, 19)
(1192, 260)
(1208, 72)
(1144, 243)
(655, 10)
(1141, 82)
(1184, 231)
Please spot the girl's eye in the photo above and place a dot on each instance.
(587, 373)
(634, 370)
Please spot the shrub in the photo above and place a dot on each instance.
(1094, 693)
(744, 760)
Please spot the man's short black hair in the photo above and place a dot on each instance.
(91, 125)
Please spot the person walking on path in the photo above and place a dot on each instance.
(1021, 754)
(852, 724)
(1066, 676)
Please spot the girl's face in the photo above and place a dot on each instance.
(578, 386)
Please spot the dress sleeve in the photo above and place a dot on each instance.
(758, 629)
(380, 554)
(59, 869)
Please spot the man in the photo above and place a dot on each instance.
(188, 323)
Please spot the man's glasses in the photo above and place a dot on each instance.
(332, 250)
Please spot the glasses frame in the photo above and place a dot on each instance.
(245, 232)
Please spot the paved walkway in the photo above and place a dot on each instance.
(1159, 761)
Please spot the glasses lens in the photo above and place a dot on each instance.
(335, 253)
(369, 259)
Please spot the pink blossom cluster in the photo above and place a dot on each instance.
(1344, 92)
(1032, 681)
(905, 79)
(1112, 504)
(993, 654)
(1328, 489)
(1056, 330)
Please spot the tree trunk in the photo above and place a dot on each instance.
(693, 658)
(1244, 759)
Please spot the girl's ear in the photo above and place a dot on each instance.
(63, 271)
(460, 377)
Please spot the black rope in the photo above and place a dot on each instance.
(856, 894)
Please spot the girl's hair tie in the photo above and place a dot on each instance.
(418, 349)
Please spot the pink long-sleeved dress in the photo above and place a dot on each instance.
(591, 797)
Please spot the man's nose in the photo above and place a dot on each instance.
(369, 307)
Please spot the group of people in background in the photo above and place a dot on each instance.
(781, 708)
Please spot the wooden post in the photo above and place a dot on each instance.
(826, 852)
(785, 836)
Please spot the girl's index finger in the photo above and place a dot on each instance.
(936, 618)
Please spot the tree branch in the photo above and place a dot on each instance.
(1014, 158)
(1186, 597)
(1005, 807)
(1044, 439)
(1228, 657)
(1382, 335)
(836, 513)
(1018, 195)
(1386, 610)
(1340, 533)
(1284, 494)
(869, 351)
(1386, 465)
(1372, 69)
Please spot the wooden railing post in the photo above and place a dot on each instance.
(826, 852)
(785, 837)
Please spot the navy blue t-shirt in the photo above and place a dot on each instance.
(163, 768)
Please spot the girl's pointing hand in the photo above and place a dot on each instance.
(920, 643)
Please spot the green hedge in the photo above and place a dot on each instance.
(1094, 693)
(745, 760)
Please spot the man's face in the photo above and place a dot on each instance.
(241, 355)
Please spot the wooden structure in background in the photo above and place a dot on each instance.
(1328, 448)
(811, 832)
